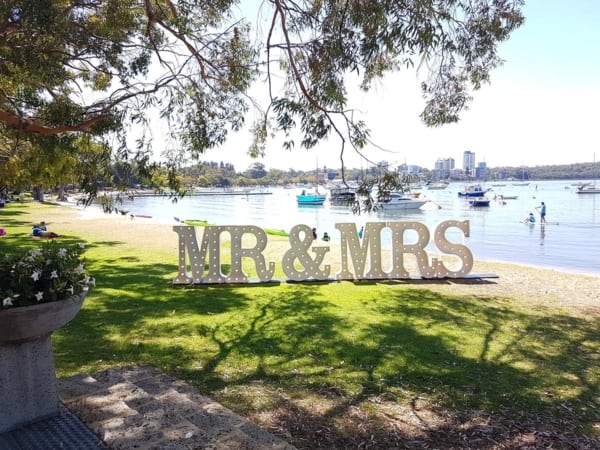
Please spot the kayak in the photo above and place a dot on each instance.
(276, 232)
(197, 223)
(204, 223)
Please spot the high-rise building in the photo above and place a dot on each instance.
(469, 162)
(481, 171)
(443, 167)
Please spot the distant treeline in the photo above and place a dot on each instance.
(212, 173)
(578, 171)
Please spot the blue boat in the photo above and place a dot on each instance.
(472, 190)
(479, 201)
(311, 198)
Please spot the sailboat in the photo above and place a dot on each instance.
(522, 182)
(589, 188)
(311, 198)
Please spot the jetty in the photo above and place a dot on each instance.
(198, 193)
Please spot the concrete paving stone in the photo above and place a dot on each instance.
(89, 412)
(156, 385)
(127, 432)
(108, 394)
(142, 408)
(131, 374)
(182, 436)
(77, 386)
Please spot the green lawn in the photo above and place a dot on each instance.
(327, 347)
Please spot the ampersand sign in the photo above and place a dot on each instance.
(299, 250)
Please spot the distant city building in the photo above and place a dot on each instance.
(443, 167)
(481, 171)
(469, 162)
(409, 169)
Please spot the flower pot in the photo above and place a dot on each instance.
(28, 387)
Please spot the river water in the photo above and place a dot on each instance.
(569, 242)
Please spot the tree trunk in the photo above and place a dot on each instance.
(62, 195)
(38, 193)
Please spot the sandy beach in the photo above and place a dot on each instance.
(536, 287)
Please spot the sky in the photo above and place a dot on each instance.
(541, 107)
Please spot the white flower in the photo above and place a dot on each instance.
(81, 245)
(61, 264)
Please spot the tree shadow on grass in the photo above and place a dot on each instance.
(442, 364)
(529, 374)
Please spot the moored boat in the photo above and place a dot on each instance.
(311, 198)
(472, 190)
(479, 201)
(342, 196)
(398, 200)
(588, 188)
(438, 185)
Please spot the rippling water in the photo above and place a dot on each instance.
(570, 241)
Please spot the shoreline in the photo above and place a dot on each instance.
(535, 286)
(88, 213)
(538, 285)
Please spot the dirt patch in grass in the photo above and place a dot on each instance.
(417, 423)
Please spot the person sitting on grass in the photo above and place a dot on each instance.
(40, 230)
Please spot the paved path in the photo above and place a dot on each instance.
(142, 408)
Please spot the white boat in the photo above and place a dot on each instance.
(437, 185)
(522, 182)
(398, 200)
(342, 196)
(588, 188)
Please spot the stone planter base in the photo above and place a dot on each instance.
(29, 390)
(28, 387)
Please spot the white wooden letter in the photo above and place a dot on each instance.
(256, 253)
(399, 248)
(189, 241)
(358, 251)
(459, 250)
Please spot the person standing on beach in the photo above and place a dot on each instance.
(542, 209)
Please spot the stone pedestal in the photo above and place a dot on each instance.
(28, 387)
